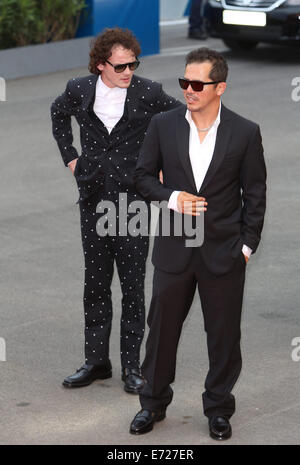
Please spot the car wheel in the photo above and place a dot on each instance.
(240, 44)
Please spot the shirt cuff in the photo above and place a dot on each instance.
(246, 250)
(173, 201)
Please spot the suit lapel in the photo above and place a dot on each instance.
(183, 143)
(89, 98)
(132, 99)
(222, 140)
(88, 104)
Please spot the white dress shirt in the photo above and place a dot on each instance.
(200, 157)
(109, 104)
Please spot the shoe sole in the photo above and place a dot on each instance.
(150, 427)
(221, 438)
(131, 390)
(79, 385)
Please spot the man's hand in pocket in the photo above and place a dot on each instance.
(72, 165)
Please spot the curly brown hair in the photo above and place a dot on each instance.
(101, 46)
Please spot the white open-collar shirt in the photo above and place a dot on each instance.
(109, 104)
(201, 154)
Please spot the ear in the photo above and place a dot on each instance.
(221, 87)
(100, 67)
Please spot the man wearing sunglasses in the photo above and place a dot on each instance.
(213, 165)
(113, 109)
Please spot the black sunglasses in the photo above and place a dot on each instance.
(120, 68)
(197, 86)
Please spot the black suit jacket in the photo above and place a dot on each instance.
(234, 187)
(107, 161)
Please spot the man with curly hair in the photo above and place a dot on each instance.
(113, 109)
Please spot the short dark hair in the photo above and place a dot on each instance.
(219, 70)
(101, 46)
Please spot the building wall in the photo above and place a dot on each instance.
(172, 9)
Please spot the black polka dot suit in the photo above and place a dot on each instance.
(103, 171)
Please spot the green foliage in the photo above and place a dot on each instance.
(24, 22)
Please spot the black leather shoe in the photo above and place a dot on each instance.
(219, 428)
(199, 34)
(143, 422)
(133, 380)
(85, 375)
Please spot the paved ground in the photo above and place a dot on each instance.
(42, 272)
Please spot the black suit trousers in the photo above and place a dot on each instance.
(221, 300)
(100, 253)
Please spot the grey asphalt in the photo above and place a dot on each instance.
(42, 273)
